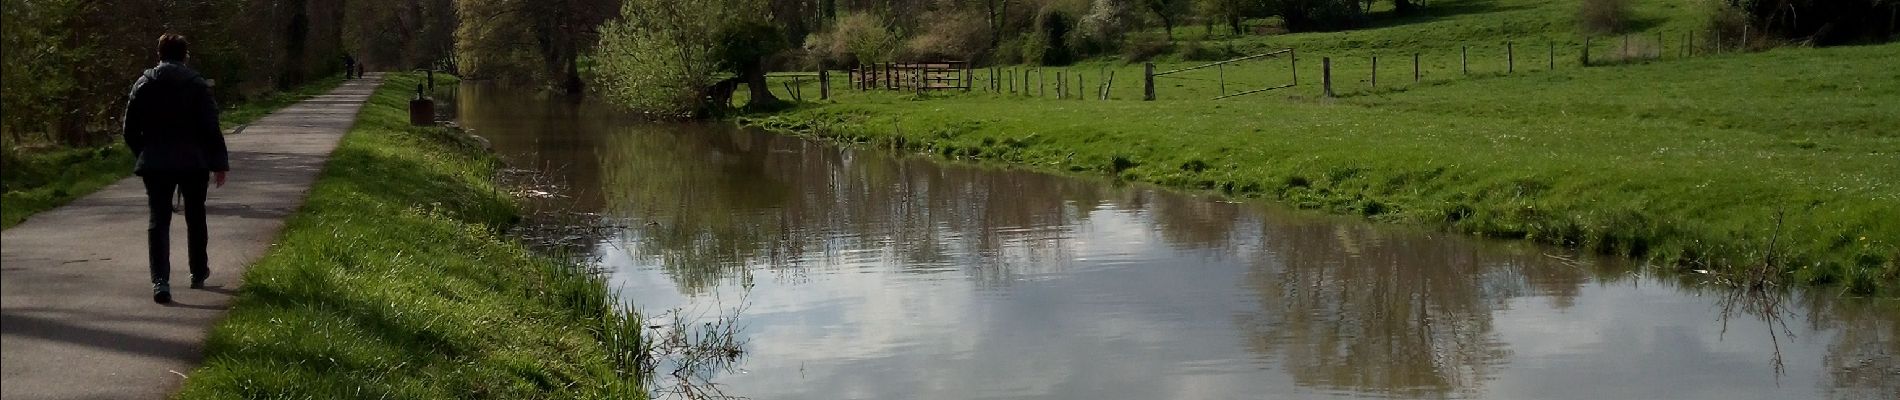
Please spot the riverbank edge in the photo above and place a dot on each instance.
(74, 172)
(397, 280)
(1675, 249)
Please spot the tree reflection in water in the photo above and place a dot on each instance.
(1336, 305)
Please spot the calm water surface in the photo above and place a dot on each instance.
(861, 275)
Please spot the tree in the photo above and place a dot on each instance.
(536, 41)
(1169, 12)
(743, 47)
(685, 57)
(1824, 22)
(1227, 12)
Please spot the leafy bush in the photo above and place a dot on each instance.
(1106, 21)
(69, 62)
(1726, 26)
(1053, 28)
(660, 55)
(1200, 51)
(1034, 47)
(1104, 27)
(857, 38)
(949, 35)
(1604, 16)
(1140, 48)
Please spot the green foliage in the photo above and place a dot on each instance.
(1824, 21)
(1106, 22)
(660, 55)
(34, 180)
(949, 35)
(70, 62)
(868, 38)
(1053, 28)
(1170, 12)
(40, 178)
(528, 42)
(744, 45)
(1604, 16)
(423, 300)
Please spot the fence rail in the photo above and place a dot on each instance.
(1360, 73)
(942, 75)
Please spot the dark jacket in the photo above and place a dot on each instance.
(171, 122)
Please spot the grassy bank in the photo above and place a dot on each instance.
(1787, 163)
(393, 282)
(37, 179)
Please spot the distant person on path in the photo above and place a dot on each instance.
(349, 67)
(171, 124)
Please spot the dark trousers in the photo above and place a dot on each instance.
(158, 194)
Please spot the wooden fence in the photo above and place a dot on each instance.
(943, 75)
(1366, 72)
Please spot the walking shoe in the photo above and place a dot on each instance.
(198, 281)
(162, 293)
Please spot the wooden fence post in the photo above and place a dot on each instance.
(1059, 80)
(1326, 75)
(1510, 57)
(1659, 45)
(1042, 84)
(1293, 63)
(824, 83)
(1688, 46)
(1079, 84)
(1464, 59)
(1148, 82)
(1586, 51)
(1109, 85)
(1744, 37)
(1415, 74)
(1626, 47)
(1375, 72)
(1223, 78)
(1553, 55)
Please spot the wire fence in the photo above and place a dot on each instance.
(1366, 72)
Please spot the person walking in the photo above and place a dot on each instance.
(349, 67)
(171, 124)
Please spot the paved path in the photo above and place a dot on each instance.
(77, 319)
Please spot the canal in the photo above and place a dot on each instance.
(861, 274)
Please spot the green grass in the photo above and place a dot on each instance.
(1455, 40)
(40, 179)
(1684, 163)
(392, 282)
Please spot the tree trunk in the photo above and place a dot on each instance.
(761, 93)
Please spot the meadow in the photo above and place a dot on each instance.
(1734, 164)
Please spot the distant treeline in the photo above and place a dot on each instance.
(70, 63)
